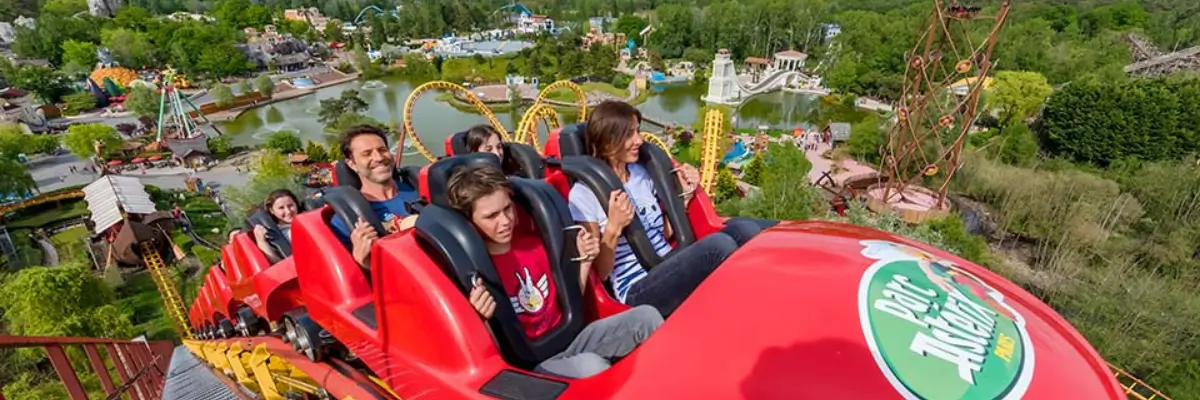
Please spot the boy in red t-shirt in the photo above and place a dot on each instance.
(482, 194)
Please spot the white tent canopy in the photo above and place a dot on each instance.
(108, 196)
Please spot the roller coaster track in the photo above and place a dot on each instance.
(463, 93)
(527, 130)
(712, 143)
(172, 302)
(268, 366)
(579, 94)
(43, 199)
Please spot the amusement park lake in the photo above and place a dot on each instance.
(434, 120)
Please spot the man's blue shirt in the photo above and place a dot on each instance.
(387, 210)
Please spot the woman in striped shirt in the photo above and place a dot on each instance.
(612, 136)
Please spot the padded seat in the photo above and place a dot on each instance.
(519, 159)
(344, 176)
(451, 240)
(601, 179)
(275, 236)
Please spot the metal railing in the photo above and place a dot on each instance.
(1135, 388)
(141, 366)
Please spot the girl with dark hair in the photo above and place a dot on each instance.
(484, 139)
(282, 205)
(612, 136)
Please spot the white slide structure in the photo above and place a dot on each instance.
(775, 80)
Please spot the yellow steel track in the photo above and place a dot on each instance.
(456, 89)
(579, 94)
(527, 130)
(712, 143)
(172, 302)
(73, 194)
(657, 141)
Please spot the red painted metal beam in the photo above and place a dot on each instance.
(66, 372)
(93, 356)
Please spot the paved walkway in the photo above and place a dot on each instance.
(50, 254)
(188, 378)
(847, 168)
(54, 172)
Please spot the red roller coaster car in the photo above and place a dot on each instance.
(804, 310)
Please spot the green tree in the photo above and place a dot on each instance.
(130, 48)
(363, 63)
(1019, 94)
(81, 53)
(317, 153)
(333, 32)
(1016, 145)
(630, 25)
(416, 65)
(79, 102)
(222, 61)
(14, 141)
(349, 102)
(143, 101)
(62, 301)
(265, 85)
(754, 171)
(47, 84)
(221, 146)
(285, 142)
(726, 186)
(81, 139)
(244, 87)
(223, 95)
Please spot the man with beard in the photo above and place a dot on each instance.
(366, 151)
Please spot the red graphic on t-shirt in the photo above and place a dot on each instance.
(525, 273)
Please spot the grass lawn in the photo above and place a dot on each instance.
(565, 94)
(70, 246)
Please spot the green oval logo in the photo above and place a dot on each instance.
(937, 331)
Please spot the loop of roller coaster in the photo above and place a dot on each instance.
(466, 94)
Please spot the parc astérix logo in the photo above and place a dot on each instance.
(937, 331)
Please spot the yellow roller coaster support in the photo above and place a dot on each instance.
(580, 96)
(712, 142)
(527, 130)
(172, 303)
(255, 369)
(456, 89)
(657, 141)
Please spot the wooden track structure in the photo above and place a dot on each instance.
(1153, 62)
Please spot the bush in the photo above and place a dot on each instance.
(1103, 121)
(286, 142)
(79, 102)
(223, 95)
(1016, 145)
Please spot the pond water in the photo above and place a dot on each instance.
(434, 120)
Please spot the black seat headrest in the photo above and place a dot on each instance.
(437, 175)
(601, 179)
(313, 203)
(450, 238)
(347, 177)
(658, 164)
(350, 205)
(458, 143)
(523, 160)
(571, 140)
(275, 235)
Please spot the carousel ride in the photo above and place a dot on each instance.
(324, 328)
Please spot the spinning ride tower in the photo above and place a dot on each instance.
(932, 122)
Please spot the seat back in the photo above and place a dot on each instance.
(600, 179)
(275, 236)
(344, 176)
(519, 159)
(572, 141)
(350, 205)
(451, 240)
(435, 178)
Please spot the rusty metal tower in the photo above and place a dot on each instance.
(947, 72)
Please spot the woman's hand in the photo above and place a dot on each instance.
(483, 302)
(361, 238)
(620, 210)
(260, 234)
(689, 180)
(587, 245)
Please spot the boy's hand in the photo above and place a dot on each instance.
(483, 302)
